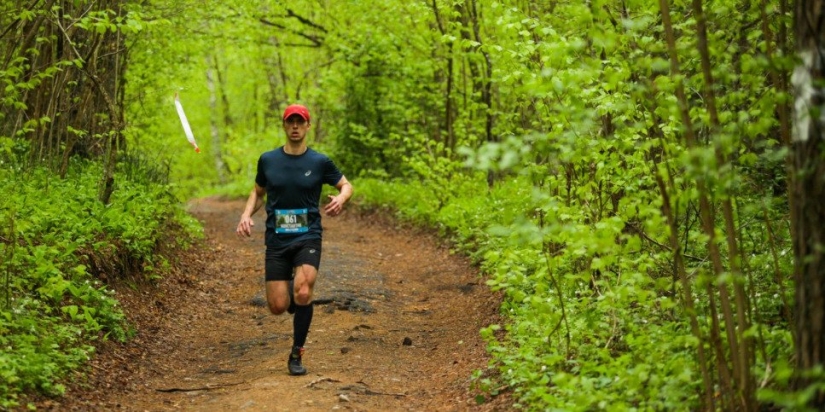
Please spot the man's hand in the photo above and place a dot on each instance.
(255, 201)
(334, 207)
(245, 226)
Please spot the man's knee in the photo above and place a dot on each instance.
(304, 282)
(276, 309)
(303, 296)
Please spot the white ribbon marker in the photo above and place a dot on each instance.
(185, 123)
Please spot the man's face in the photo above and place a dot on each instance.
(296, 127)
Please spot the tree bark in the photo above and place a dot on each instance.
(807, 194)
(213, 123)
(449, 142)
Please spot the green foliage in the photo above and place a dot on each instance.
(60, 78)
(365, 70)
(61, 249)
(574, 232)
(629, 344)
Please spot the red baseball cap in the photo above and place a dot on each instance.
(296, 109)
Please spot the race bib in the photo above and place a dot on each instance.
(291, 221)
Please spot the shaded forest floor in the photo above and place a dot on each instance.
(396, 327)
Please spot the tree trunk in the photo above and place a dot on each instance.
(808, 192)
(216, 134)
(449, 141)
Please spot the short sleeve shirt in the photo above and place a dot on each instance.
(293, 186)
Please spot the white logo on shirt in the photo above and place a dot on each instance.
(309, 172)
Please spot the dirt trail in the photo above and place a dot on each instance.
(395, 329)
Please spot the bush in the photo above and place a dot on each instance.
(60, 247)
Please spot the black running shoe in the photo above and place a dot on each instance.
(291, 308)
(294, 364)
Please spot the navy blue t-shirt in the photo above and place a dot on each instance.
(293, 192)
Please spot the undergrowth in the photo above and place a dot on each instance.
(60, 249)
(594, 318)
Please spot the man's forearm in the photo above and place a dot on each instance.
(253, 203)
(345, 192)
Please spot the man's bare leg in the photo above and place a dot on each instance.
(304, 281)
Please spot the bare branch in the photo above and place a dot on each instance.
(316, 40)
(305, 21)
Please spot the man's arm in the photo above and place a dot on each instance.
(336, 203)
(255, 201)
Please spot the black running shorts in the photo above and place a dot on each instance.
(281, 261)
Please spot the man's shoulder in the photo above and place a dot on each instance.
(315, 153)
(278, 151)
(316, 156)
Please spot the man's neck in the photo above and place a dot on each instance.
(295, 149)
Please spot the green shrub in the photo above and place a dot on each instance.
(60, 247)
(593, 317)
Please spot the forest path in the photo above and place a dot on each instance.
(395, 328)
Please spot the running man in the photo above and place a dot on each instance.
(291, 178)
